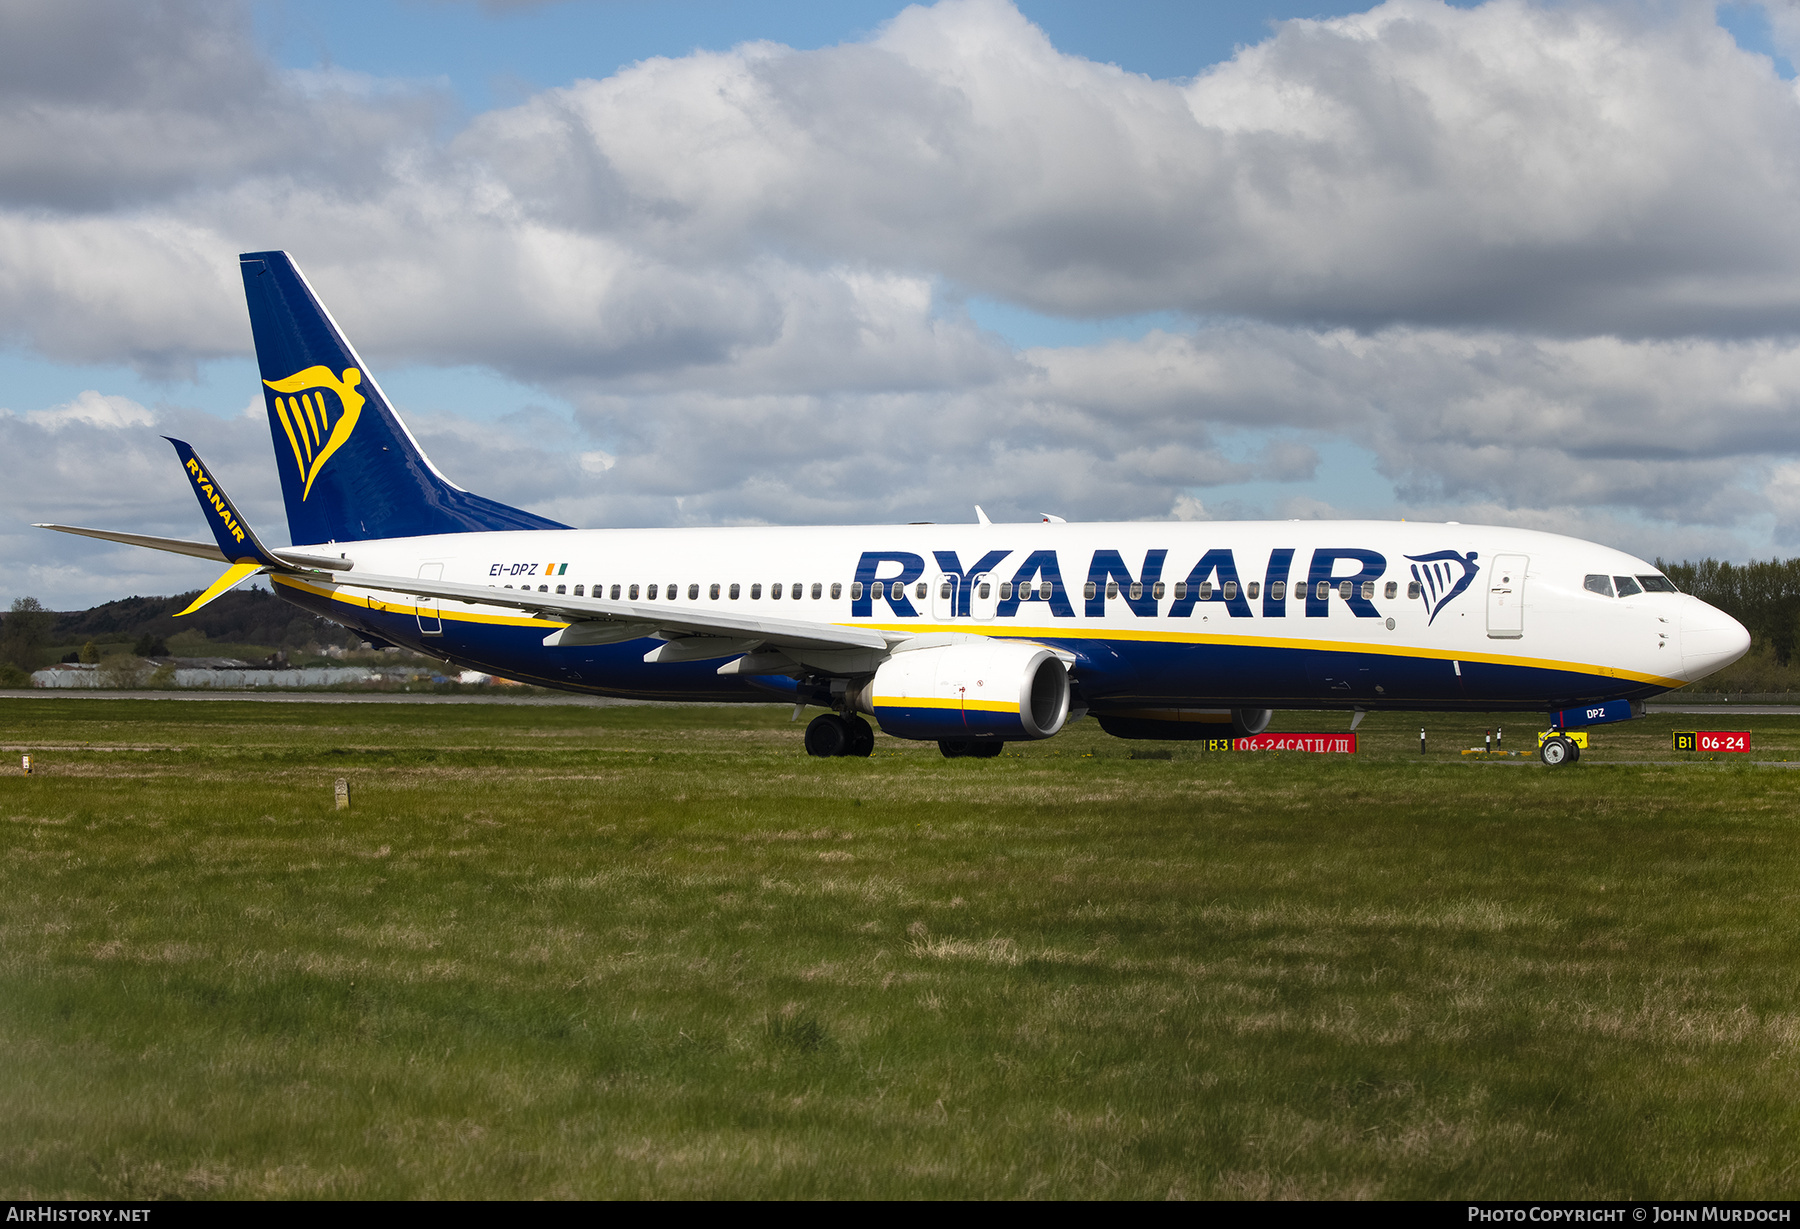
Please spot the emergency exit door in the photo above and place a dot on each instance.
(429, 622)
(1506, 597)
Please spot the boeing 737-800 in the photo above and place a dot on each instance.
(968, 635)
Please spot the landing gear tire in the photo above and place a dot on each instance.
(828, 735)
(862, 738)
(971, 748)
(1558, 751)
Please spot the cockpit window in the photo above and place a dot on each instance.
(1627, 586)
(1657, 584)
(1595, 583)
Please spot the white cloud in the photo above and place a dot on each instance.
(1539, 261)
(96, 409)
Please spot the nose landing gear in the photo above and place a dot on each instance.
(1558, 750)
(831, 735)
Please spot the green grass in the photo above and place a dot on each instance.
(640, 951)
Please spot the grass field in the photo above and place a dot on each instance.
(641, 951)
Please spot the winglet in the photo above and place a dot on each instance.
(236, 538)
(235, 573)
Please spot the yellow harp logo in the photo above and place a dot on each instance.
(314, 431)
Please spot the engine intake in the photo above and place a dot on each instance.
(989, 689)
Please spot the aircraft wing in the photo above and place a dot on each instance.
(679, 619)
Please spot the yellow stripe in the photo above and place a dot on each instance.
(1066, 632)
(1070, 633)
(430, 611)
(981, 706)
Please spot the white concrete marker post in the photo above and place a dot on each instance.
(343, 794)
(27, 765)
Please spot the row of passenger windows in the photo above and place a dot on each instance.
(1043, 591)
(1627, 586)
(796, 591)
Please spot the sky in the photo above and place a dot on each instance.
(709, 262)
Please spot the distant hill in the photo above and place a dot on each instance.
(243, 616)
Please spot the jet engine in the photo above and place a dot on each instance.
(987, 689)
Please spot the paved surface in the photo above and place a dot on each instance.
(1728, 710)
(319, 697)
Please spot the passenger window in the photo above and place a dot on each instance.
(920, 590)
(1278, 590)
(562, 588)
(1412, 590)
(1392, 589)
(755, 592)
(1006, 590)
(1627, 586)
(651, 593)
(774, 593)
(855, 591)
(1206, 590)
(734, 591)
(878, 590)
(1112, 588)
(1251, 590)
(1156, 590)
(1090, 590)
(1368, 590)
(713, 592)
(1658, 584)
(944, 590)
(985, 589)
(693, 593)
(634, 589)
(1324, 590)
(1137, 590)
(615, 593)
(1047, 590)
(1345, 589)
(508, 586)
(1181, 590)
(1231, 590)
(577, 590)
(543, 588)
(798, 590)
(816, 588)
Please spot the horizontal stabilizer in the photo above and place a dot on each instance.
(201, 550)
(236, 573)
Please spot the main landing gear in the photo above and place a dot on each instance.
(831, 735)
(1558, 750)
(973, 748)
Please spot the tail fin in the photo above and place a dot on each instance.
(350, 470)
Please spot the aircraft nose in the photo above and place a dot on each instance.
(1710, 639)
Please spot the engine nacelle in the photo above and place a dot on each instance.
(986, 689)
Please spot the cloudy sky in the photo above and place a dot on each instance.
(701, 263)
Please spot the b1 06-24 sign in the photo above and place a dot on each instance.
(1712, 740)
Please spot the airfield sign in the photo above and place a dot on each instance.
(1712, 740)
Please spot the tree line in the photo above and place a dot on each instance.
(1762, 595)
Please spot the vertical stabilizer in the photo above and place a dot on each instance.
(350, 470)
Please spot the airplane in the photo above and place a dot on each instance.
(971, 635)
